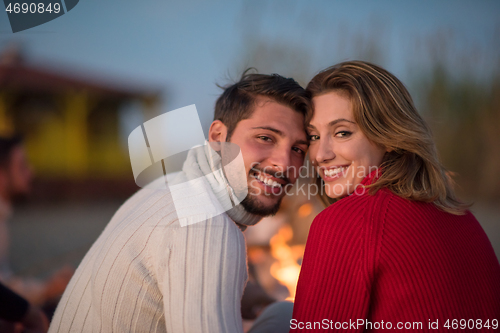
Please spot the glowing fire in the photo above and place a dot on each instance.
(286, 269)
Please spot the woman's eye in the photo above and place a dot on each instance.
(343, 134)
(313, 137)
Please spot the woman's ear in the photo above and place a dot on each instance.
(217, 132)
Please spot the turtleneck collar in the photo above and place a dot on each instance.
(372, 177)
(204, 161)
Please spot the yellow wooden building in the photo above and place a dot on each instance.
(70, 123)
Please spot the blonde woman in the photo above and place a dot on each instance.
(395, 248)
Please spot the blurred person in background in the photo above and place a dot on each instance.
(394, 244)
(16, 176)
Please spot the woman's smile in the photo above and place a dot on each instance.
(338, 147)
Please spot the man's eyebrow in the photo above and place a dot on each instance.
(277, 131)
(302, 142)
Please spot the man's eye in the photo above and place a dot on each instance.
(343, 134)
(313, 137)
(299, 150)
(265, 138)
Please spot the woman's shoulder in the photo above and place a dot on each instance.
(386, 208)
(355, 210)
(426, 226)
(359, 200)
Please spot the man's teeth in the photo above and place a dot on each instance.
(267, 181)
(333, 172)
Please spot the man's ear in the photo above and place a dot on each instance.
(217, 132)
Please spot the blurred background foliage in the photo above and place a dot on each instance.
(464, 113)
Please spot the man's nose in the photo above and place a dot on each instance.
(281, 159)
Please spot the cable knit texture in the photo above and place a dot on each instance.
(146, 273)
(384, 258)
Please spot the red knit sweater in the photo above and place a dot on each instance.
(384, 259)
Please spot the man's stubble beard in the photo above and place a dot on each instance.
(253, 206)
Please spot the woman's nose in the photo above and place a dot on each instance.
(325, 151)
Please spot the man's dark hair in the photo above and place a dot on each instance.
(237, 101)
(7, 144)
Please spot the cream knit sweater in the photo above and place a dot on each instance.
(146, 273)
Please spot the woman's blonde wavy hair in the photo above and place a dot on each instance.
(385, 113)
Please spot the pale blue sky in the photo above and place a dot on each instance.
(185, 47)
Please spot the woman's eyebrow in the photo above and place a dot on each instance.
(334, 122)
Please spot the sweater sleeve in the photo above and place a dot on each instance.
(204, 277)
(335, 283)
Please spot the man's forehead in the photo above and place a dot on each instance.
(261, 111)
(271, 115)
(260, 100)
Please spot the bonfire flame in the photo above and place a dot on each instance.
(286, 269)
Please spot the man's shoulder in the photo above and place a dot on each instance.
(173, 198)
(151, 201)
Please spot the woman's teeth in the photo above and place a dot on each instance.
(333, 172)
(267, 181)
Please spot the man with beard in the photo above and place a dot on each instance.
(152, 270)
